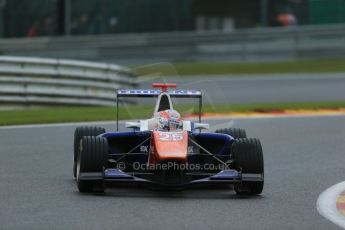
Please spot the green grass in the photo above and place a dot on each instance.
(269, 107)
(209, 68)
(76, 114)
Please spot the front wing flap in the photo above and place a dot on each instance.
(223, 177)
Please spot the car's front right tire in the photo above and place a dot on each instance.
(91, 161)
(78, 134)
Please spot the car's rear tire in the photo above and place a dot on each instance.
(234, 132)
(78, 134)
(92, 158)
(248, 157)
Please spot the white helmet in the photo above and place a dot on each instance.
(169, 120)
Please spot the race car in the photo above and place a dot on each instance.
(166, 151)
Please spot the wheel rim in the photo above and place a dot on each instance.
(78, 166)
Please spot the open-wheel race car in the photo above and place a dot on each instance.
(166, 150)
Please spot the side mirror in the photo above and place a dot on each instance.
(201, 126)
(142, 125)
(132, 125)
(187, 126)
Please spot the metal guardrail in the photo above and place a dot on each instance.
(40, 81)
(302, 42)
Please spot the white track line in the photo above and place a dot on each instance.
(260, 77)
(60, 125)
(269, 116)
(326, 204)
(264, 116)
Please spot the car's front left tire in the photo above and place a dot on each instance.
(248, 157)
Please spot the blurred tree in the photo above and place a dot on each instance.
(58, 17)
(21, 15)
(327, 11)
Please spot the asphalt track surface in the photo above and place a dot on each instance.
(303, 157)
(261, 88)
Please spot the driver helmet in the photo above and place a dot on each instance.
(169, 120)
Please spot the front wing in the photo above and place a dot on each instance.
(113, 175)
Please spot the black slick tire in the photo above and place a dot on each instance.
(78, 134)
(91, 160)
(234, 132)
(248, 157)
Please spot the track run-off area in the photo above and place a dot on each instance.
(304, 159)
(268, 88)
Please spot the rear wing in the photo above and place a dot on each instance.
(123, 93)
(156, 92)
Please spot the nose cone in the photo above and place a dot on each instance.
(170, 146)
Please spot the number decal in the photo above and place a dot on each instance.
(164, 136)
(171, 136)
(177, 137)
